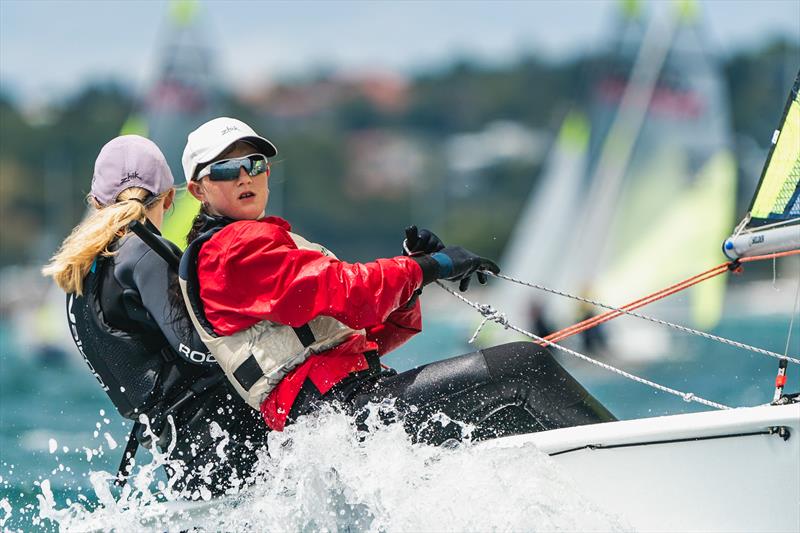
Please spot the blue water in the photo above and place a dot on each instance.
(50, 414)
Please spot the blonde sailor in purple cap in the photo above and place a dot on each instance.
(137, 341)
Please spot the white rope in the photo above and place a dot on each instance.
(490, 314)
(685, 329)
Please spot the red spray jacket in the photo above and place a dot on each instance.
(251, 270)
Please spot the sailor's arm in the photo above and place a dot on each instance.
(265, 276)
(399, 327)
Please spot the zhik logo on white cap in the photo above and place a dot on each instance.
(211, 139)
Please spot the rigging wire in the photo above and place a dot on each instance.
(489, 313)
(672, 289)
(685, 329)
(605, 317)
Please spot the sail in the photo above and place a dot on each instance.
(658, 161)
(681, 171)
(180, 218)
(663, 164)
(771, 224)
(543, 225)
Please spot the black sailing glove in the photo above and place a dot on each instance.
(421, 242)
(454, 263)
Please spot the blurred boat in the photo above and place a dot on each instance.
(636, 194)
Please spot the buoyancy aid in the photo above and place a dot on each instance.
(257, 358)
(138, 371)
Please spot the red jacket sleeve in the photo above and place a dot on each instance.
(400, 325)
(252, 271)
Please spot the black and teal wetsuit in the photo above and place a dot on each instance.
(141, 347)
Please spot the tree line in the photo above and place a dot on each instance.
(46, 160)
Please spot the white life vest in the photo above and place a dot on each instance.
(257, 358)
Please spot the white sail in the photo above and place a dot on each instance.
(544, 225)
(659, 161)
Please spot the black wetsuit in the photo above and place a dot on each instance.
(504, 390)
(142, 348)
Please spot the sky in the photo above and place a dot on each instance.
(49, 49)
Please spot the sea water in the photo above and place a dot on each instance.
(61, 441)
(320, 475)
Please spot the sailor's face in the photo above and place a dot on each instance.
(244, 198)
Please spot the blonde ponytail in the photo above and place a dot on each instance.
(92, 238)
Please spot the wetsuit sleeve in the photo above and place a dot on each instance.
(256, 272)
(399, 327)
(153, 280)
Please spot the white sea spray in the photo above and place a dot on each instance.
(217, 433)
(5, 509)
(322, 475)
(112, 444)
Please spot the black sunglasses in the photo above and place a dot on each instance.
(228, 169)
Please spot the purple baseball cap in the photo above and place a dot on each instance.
(129, 161)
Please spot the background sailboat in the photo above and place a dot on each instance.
(183, 96)
(656, 191)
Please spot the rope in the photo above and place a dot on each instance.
(490, 313)
(663, 293)
(685, 329)
(767, 256)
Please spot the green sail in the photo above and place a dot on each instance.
(777, 197)
(178, 221)
(771, 224)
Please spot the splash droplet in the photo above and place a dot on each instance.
(112, 444)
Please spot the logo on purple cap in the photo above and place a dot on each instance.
(130, 176)
(229, 129)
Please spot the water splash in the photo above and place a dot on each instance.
(5, 507)
(112, 444)
(321, 474)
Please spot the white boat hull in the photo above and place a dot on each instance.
(711, 471)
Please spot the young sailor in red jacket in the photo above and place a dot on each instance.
(293, 327)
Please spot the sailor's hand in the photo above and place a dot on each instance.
(455, 263)
(421, 242)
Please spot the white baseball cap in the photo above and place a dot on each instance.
(214, 137)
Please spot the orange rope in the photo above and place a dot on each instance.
(663, 293)
(768, 256)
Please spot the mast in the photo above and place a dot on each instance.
(772, 223)
(183, 96)
(607, 175)
(657, 180)
(674, 189)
